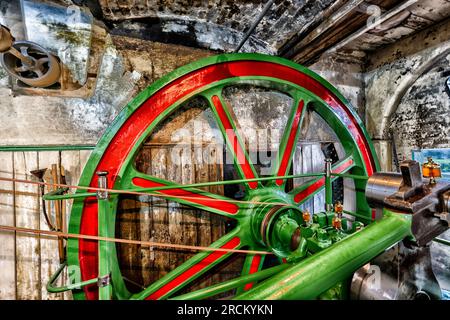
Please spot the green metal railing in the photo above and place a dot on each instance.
(46, 148)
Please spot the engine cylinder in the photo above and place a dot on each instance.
(381, 185)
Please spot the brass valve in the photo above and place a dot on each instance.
(336, 222)
(306, 217)
(338, 208)
(337, 219)
(431, 170)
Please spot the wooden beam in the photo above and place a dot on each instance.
(385, 16)
(327, 24)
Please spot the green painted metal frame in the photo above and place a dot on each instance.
(128, 172)
(309, 278)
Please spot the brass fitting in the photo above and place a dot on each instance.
(431, 170)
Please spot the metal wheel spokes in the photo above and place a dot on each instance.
(31, 64)
(218, 204)
(118, 148)
(193, 197)
(191, 269)
(24, 51)
(291, 132)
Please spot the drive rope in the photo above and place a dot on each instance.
(127, 241)
(117, 191)
(57, 234)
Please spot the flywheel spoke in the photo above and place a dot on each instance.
(191, 269)
(252, 264)
(193, 197)
(227, 125)
(310, 188)
(289, 141)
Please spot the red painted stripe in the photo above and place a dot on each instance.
(237, 148)
(320, 183)
(343, 166)
(131, 131)
(290, 143)
(221, 205)
(310, 189)
(195, 269)
(254, 267)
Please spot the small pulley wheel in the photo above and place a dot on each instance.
(39, 68)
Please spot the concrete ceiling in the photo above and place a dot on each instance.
(301, 30)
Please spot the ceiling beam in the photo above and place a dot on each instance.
(327, 24)
(385, 16)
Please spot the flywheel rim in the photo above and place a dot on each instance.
(139, 118)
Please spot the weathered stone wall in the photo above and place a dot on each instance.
(406, 94)
(346, 75)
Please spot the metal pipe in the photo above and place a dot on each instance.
(45, 148)
(328, 186)
(442, 241)
(316, 274)
(231, 284)
(53, 289)
(350, 176)
(55, 195)
(254, 25)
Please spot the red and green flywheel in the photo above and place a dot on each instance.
(260, 225)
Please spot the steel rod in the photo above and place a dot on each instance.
(351, 176)
(317, 273)
(46, 148)
(328, 186)
(59, 195)
(114, 191)
(226, 182)
(254, 25)
(442, 241)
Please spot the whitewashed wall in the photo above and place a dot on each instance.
(27, 261)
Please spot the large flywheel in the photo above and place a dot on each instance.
(205, 101)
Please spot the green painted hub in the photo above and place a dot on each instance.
(275, 224)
